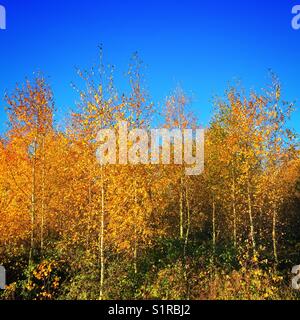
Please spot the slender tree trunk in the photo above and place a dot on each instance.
(135, 252)
(234, 225)
(102, 237)
(251, 218)
(90, 210)
(43, 218)
(181, 210)
(214, 225)
(234, 211)
(135, 249)
(33, 203)
(261, 222)
(186, 243)
(274, 240)
(187, 233)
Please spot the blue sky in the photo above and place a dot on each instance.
(201, 44)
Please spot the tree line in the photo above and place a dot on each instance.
(73, 229)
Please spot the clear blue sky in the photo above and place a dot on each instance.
(202, 44)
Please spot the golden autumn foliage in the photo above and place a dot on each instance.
(73, 229)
